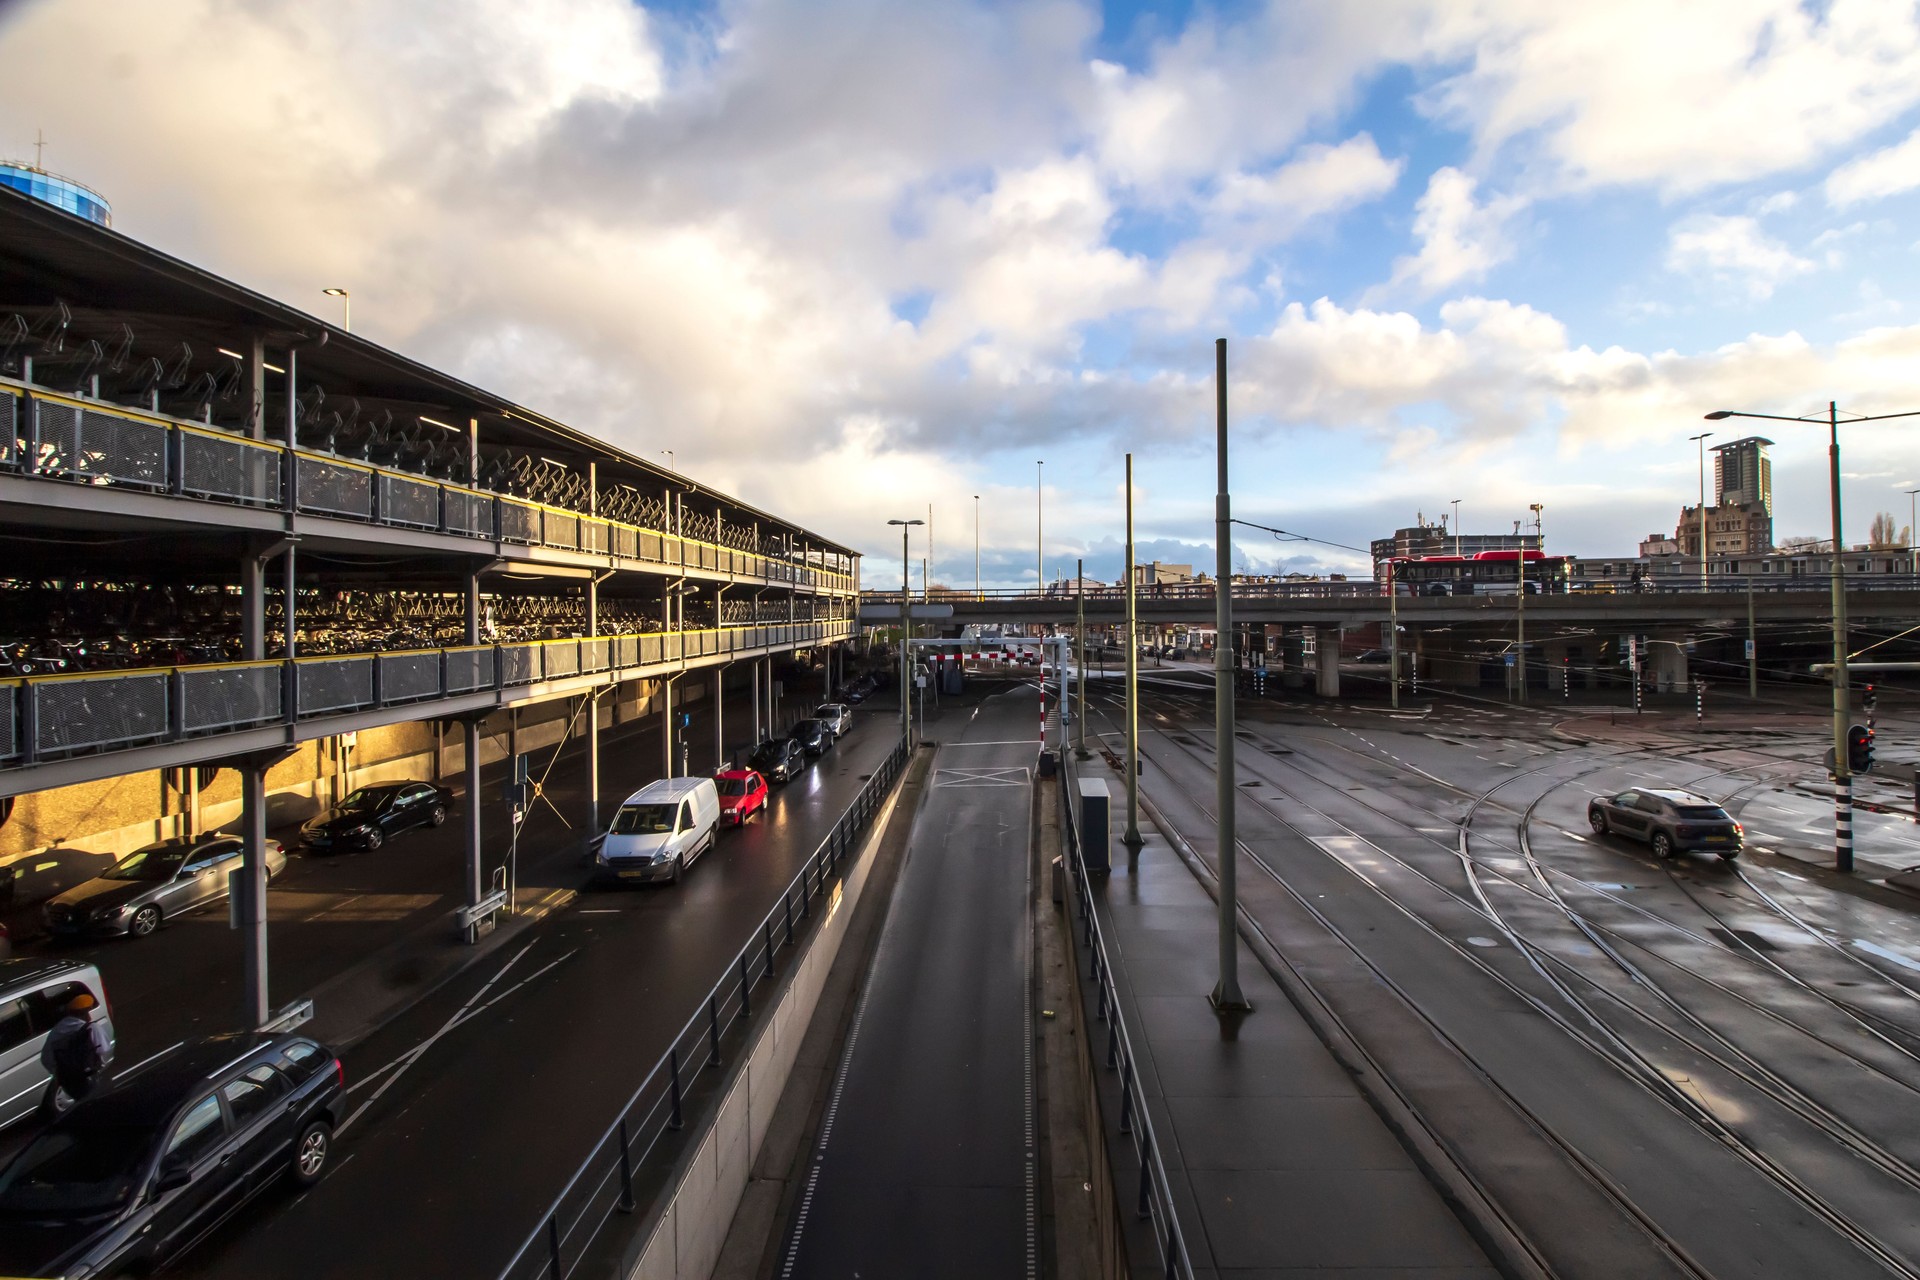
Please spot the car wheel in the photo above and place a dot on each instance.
(438, 817)
(144, 921)
(310, 1153)
(1728, 855)
(55, 1103)
(679, 868)
(1598, 821)
(1662, 845)
(375, 838)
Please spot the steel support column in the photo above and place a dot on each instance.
(476, 878)
(252, 903)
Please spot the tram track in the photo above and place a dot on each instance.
(1599, 1035)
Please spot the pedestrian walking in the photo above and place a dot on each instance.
(76, 1052)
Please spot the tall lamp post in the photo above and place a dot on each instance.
(1039, 527)
(1842, 775)
(1227, 995)
(1912, 566)
(976, 546)
(906, 665)
(346, 307)
(1456, 528)
(1701, 440)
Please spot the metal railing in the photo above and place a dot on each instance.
(51, 436)
(1365, 589)
(56, 716)
(1153, 1196)
(603, 1184)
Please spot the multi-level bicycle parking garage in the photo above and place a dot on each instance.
(253, 561)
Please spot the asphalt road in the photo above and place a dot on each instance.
(457, 1139)
(1735, 1049)
(925, 1165)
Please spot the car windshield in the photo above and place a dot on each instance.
(766, 753)
(806, 727)
(643, 819)
(75, 1170)
(1707, 812)
(826, 710)
(364, 799)
(159, 862)
(731, 786)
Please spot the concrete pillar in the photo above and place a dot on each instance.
(753, 665)
(476, 879)
(1554, 655)
(666, 726)
(720, 716)
(1327, 655)
(593, 761)
(1667, 654)
(253, 606)
(252, 905)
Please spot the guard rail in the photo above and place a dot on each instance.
(54, 717)
(55, 437)
(1153, 1193)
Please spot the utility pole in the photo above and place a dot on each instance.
(1393, 634)
(1753, 648)
(1842, 775)
(1039, 528)
(1226, 992)
(1520, 617)
(1132, 837)
(1701, 439)
(1080, 642)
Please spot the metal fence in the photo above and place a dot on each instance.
(45, 717)
(229, 696)
(228, 467)
(1153, 1194)
(79, 441)
(559, 1246)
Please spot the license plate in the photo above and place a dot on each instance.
(633, 875)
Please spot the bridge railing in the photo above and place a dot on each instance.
(1716, 585)
(568, 1232)
(58, 716)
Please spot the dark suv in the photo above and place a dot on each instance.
(144, 1169)
(1668, 820)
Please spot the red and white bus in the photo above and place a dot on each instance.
(1488, 573)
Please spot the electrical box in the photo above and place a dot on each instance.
(1096, 824)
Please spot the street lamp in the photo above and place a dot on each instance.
(1701, 439)
(1912, 567)
(1456, 528)
(346, 307)
(976, 546)
(1039, 527)
(906, 596)
(1842, 777)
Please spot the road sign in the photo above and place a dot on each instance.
(1749, 651)
(1510, 659)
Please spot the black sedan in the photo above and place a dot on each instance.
(144, 1169)
(1668, 820)
(366, 818)
(814, 736)
(778, 759)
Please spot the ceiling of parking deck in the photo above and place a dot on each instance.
(53, 256)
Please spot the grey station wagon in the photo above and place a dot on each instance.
(1670, 821)
(151, 884)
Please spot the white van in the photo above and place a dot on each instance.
(660, 830)
(33, 995)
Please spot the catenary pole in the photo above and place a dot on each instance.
(1226, 992)
(1132, 836)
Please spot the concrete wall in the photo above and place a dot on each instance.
(684, 1242)
(117, 815)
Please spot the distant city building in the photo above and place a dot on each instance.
(1743, 474)
(1740, 521)
(61, 192)
(1658, 544)
(1155, 573)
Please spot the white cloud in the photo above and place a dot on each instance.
(1316, 181)
(1682, 97)
(1778, 202)
(1885, 172)
(1732, 250)
(1461, 239)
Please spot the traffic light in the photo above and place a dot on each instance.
(1867, 698)
(1859, 749)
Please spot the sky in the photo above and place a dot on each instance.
(851, 260)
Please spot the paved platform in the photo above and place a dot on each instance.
(1280, 1166)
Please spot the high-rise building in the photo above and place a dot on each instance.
(63, 193)
(1743, 474)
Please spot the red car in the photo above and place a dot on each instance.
(743, 793)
